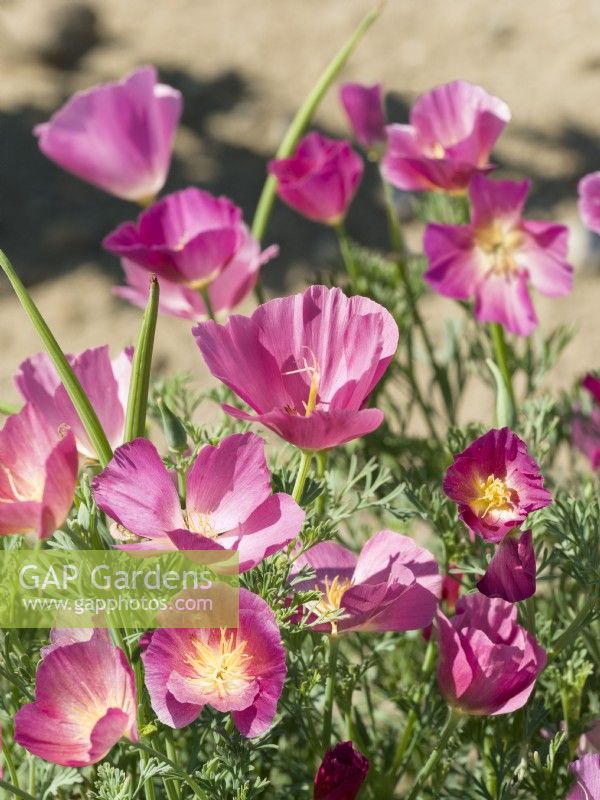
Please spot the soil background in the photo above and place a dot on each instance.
(243, 68)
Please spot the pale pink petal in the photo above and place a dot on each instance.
(454, 265)
(544, 255)
(589, 201)
(497, 200)
(506, 300)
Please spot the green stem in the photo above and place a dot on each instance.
(530, 613)
(303, 117)
(207, 302)
(303, 470)
(347, 256)
(16, 791)
(31, 780)
(334, 644)
(491, 781)
(426, 668)
(395, 232)
(574, 628)
(8, 759)
(321, 468)
(80, 400)
(6, 409)
(452, 722)
(137, 401)
(171, 787)
(501, 357)
(193, 784)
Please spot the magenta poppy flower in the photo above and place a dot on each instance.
(38, 474)
(241, 670)
(229, 505)
(364, 108)
(496, 484)
(585, 428)
(488, 664)
(495, 256)
(193, 239)
(341, 773)
(452, 131)
(105, 382)
(225, 292)
(85, 701)
(320, 180)
(305, 364)
(511, 574)
(118, 136)
(393, 585)
(586, 772)
(589, 201)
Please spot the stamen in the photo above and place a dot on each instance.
(494, 494)
(199, 522)
(221, 670)
(499, 243)
(29, 492)
(315, 376)
(332, 594)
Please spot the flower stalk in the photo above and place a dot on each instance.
(137, 403)
(453, 721)
(334, 644)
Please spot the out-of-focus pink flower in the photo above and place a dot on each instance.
(451, 587)
(364, 108)
(305, 364)
(589, 201)
(511, 574)
(105, 382)
(488, 664)
(590, 739)
(320, 180)
(118, 136)
(241, 670)
(452, 131)
(38, 474)
(225, 292)
(192, 241)
(496, 484)
(341, 773)
(229, 505)
(393, 585)
(585, 429)
(85, 701)
(586, 772)
(495, 256)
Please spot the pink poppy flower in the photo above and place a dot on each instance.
(229, 505)
(341, 773)
(241, 670)
(117, 136)
(364, 108)
(585, 428)
(586, 772)
(589, 201)
(488, 664)
(393, 585)
(320, 180)
(495, 256)
(38, 474)
(225, 292)
(85, 701)
(105, 382)
(511, 574)
(496, 484)
(193, 239)
(452, 131)
(305, 364)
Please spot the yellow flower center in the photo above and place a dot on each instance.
(312, 370)
(331, 597)
(221, 670)
(437, 151)
(199, 522)
(500, 244)
(494, 495)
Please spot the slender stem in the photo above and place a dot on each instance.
(303, 117)
(16, 791)
(427, 666)
(501, 357)
(181, 486)
(530, 613)
(171, 787)
(395, 232)
(334, 644)
(6, 409)
(576, 625)
(452, 722)
(303, 470)
(8, 759)
(193, 784)
(491, 780)
(137, 401)
(31, 780)
(321, 468)
(207, 302)
(78, 397)
(346, 251)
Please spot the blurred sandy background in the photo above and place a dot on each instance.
(243, 67)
